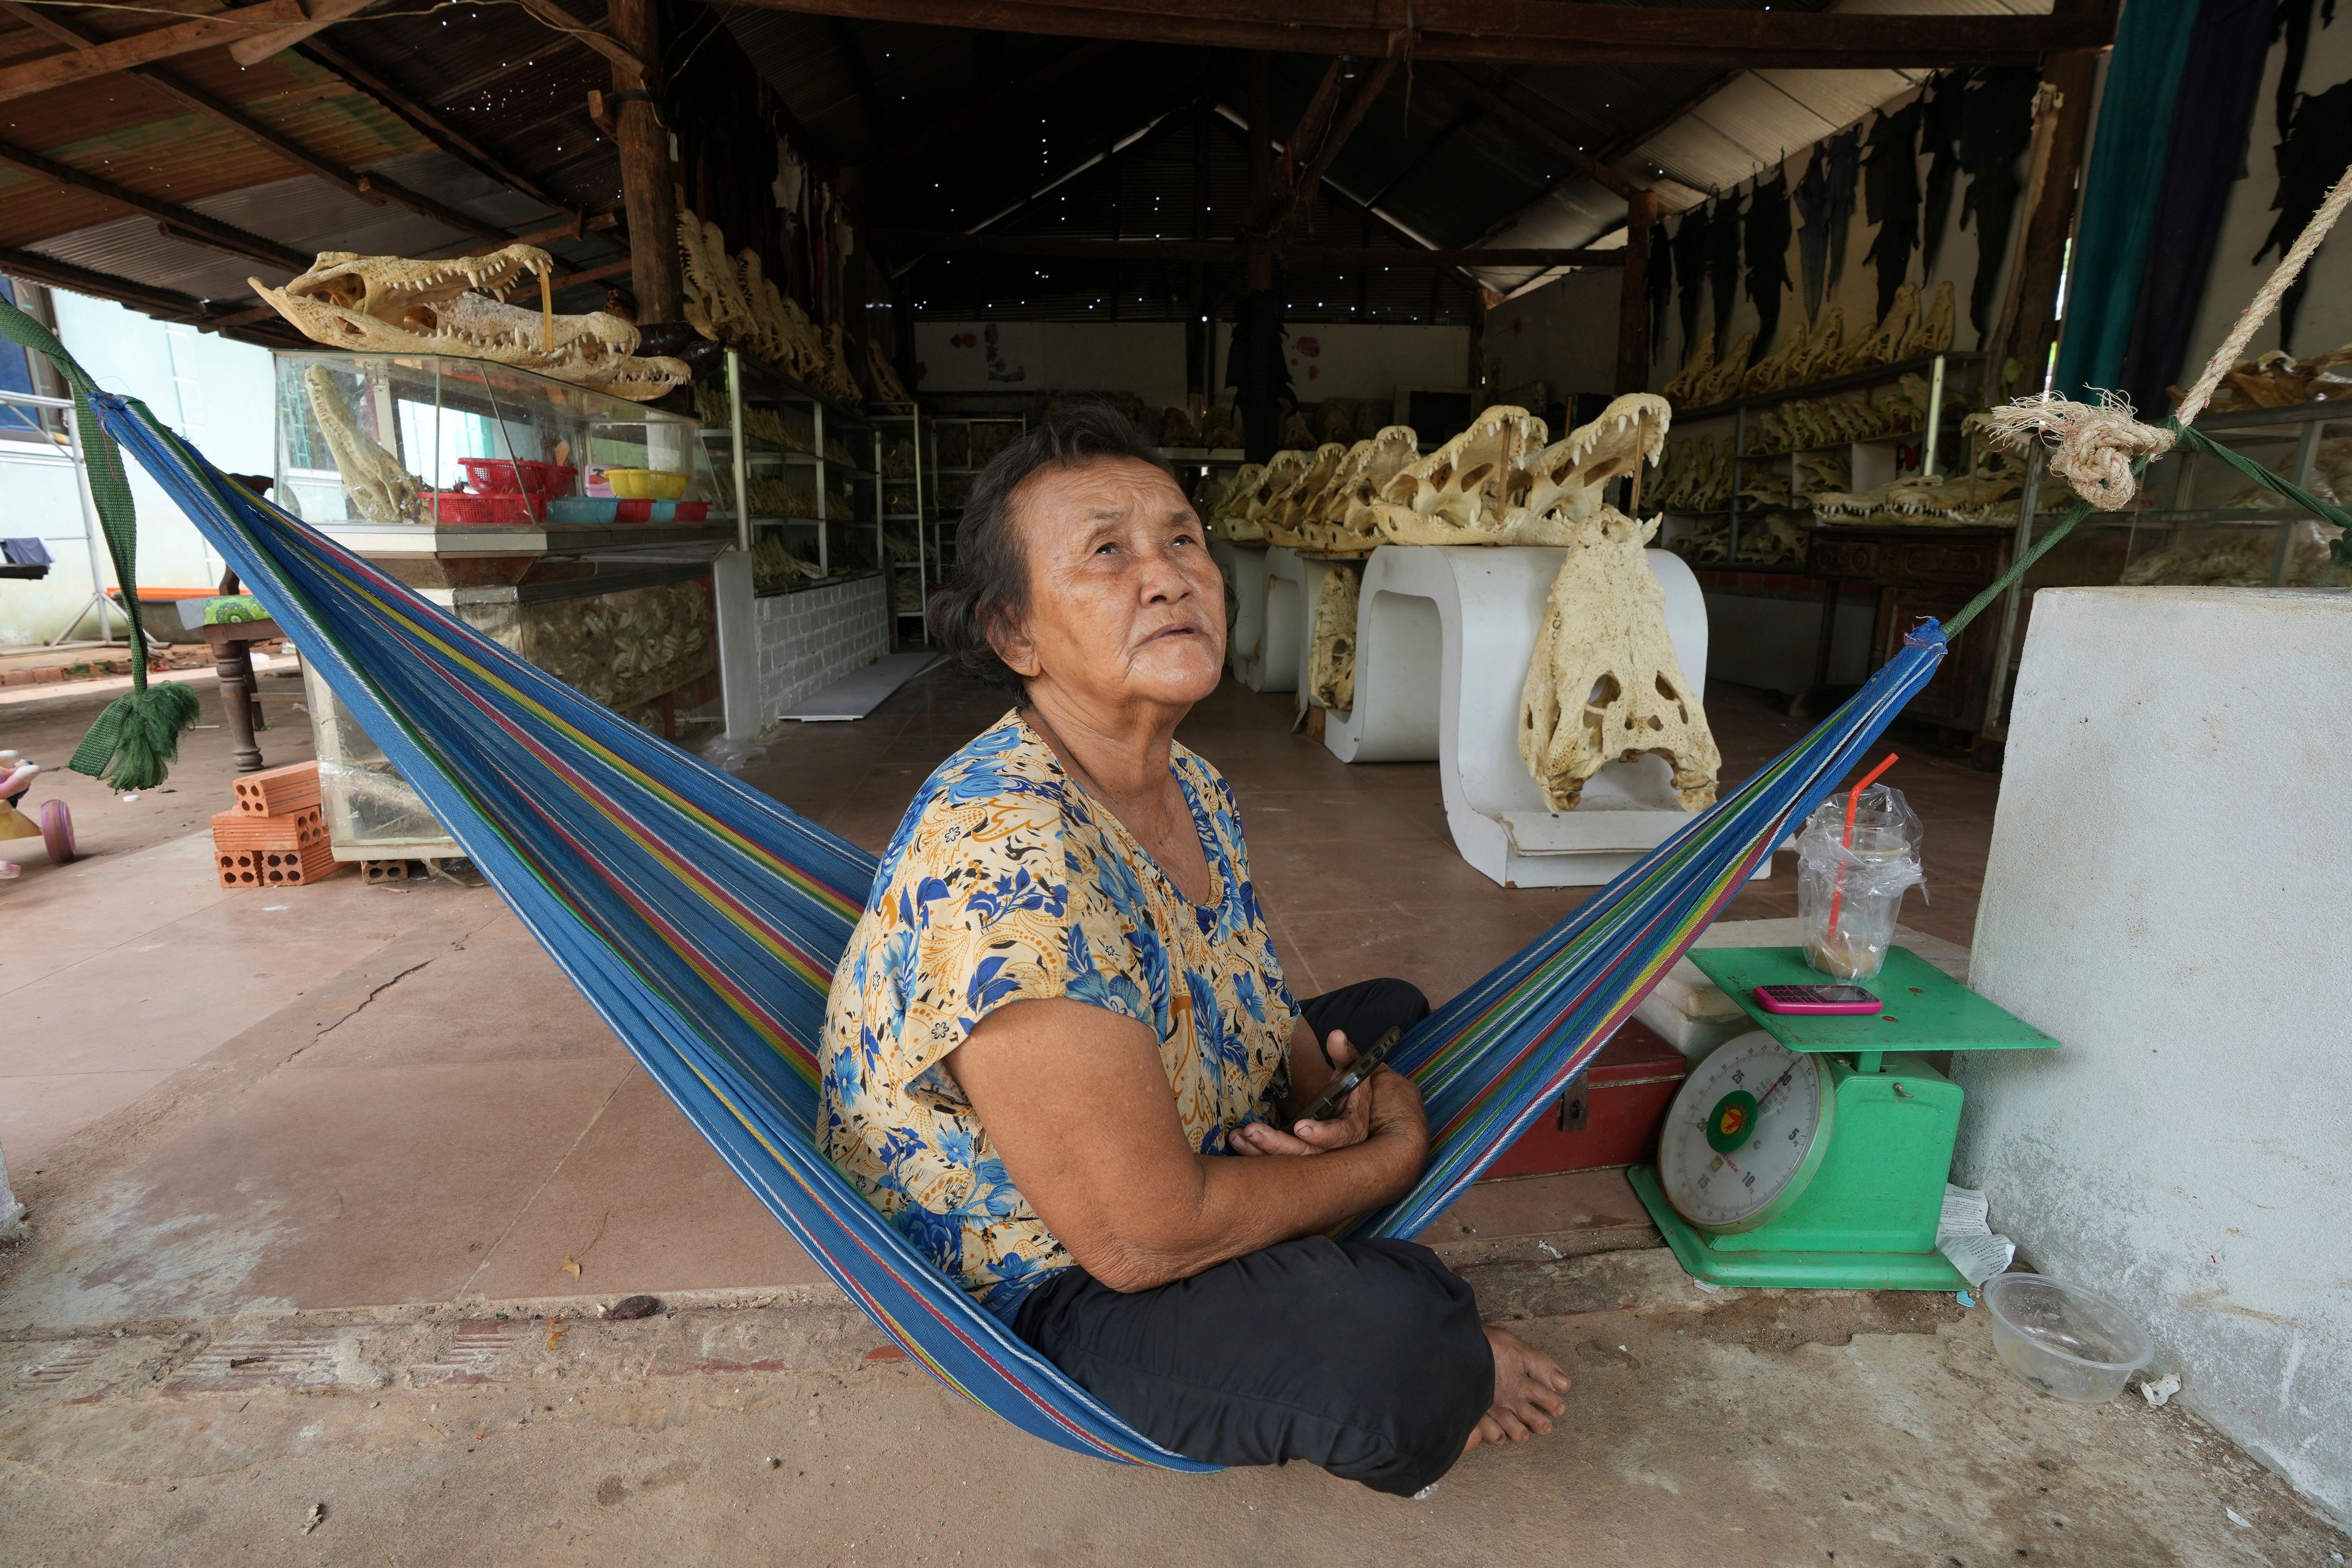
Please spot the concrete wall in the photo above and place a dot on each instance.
(2167, 895)
(810, 639)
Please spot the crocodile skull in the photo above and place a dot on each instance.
(385, 304)
(1604, 685)
(1350, 524)
(1230, 518)
(1566, 477)
(1331, 662)
(1462, 493)
(380, 490)
(1287, 512)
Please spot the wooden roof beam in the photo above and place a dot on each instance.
(144, 48)
(424, 121)
(373, 188)
(1535, 130)
(1319, 167)
(971, 114)
(1228, 250)
(1538, 32)
(167, 304)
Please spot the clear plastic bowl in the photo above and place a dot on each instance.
(2063, 1339)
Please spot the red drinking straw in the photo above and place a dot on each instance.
(1853, 800)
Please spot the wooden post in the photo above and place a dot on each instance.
(1634, 295)
(2042, 261)
(1480, 297)
(1257, 320)
(645, 178)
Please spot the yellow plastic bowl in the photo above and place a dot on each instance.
(646, 484)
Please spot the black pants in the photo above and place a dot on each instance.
(1364, 1357)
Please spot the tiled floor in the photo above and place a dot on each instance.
(462, 1123)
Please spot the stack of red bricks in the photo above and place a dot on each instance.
(276, 835)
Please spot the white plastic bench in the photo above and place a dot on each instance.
(1247, 646)
(1444, 633)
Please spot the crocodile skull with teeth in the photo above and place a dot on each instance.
(385, 304)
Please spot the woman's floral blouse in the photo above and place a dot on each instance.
(1007, 881)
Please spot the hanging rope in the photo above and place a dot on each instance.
(2101, 449)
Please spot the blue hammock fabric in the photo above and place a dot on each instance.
(703, 919)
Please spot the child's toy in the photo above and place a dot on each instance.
(18, 832)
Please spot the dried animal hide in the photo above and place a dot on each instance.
(1683, 388)
(1771, 539)
(1461, 493)
(1997, 126)
(1286, 514)
(1770, 228)
(1932, 333)
(1826, 201)
(1177, 427)
(1220, 427)
(627, 648)
(775, 568)
(1604, 685)
(2242, 558)
(1883, 345)
(1296, 431)
(385, 304)
(1347, 523)
(1331, 661)
(1891, 198)
(2311, 158)
(380, 490)
(1939, 138)
(1723, 263)
(1690, 269)
(1660, 281)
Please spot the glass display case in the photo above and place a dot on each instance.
(576, 527)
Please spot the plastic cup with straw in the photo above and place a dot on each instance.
(1852, 803)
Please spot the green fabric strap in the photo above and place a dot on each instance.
(2185, 436)
(133, 743)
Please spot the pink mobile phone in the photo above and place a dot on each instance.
(1816, 999)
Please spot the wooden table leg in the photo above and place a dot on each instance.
(1823, 644)
(234, 663)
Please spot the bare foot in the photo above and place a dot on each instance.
(1527, 1389)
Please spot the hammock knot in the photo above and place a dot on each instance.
(2093, 446)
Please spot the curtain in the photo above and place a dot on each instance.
(2219, 89)
(2121, 188)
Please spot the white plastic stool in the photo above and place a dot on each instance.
(1444, 635)
(1271, 661)
(1245, 568)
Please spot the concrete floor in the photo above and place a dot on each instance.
(313, 1172)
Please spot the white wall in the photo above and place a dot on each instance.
(217, 393)
(1146, 358)
(2166, 896)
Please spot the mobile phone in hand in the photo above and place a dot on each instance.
(1343, 1083)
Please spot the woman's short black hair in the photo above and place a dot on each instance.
(991, 580)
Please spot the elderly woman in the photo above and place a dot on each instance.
(1060, 1054)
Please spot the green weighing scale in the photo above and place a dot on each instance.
(1814, 1150)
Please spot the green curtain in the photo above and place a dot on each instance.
(2121, 192)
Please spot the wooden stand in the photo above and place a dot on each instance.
(232, 645)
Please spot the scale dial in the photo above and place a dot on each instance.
(1744, 1135)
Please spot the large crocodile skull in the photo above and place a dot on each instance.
(1331, 661)
(1349, 524)
(1290, 510)
(1229, 518)
(386, 304)
(1567, 480)
(1604, 685)
(1462, 493)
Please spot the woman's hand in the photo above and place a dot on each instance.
(1385, 1106)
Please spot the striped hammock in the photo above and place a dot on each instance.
(703, 919)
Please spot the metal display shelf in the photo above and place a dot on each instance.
(928, 565)
(1943, 380)
(733, 451)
